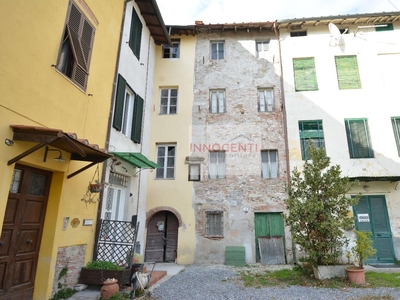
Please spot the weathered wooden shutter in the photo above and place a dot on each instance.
(347, 72)
(119, 103)
(137, 120)
(221, 102)
(358, 139)
(305, 77)
(213, 102)
(136, 34)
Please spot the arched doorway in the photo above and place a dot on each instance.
(162, 237)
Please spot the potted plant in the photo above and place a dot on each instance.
(361, 250)
(318, 212)
(96, 272)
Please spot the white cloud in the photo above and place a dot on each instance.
(186, 12)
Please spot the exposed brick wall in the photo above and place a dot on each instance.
(73, 258)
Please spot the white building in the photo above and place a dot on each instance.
(340, 87)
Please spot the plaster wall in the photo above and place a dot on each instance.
(242, 132)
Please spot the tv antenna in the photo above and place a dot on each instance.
(336, 36)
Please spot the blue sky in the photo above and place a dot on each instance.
(186, 12)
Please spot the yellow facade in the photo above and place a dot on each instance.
(34, 93)
(175, 194)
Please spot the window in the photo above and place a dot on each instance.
(269, 164)
(214, 223)
(217, 50)
(305, 77)
(76, 47)
(135, 37)
(265, 100)
(311, 132)
(194, 172)
(298, 33)
(358, 138)
(168, 101)
(384, 27)
(217, 102)
(128, 111)
(347, 72)
(262, 48)
(217, 165)
(396, 130)
(171, 51)
(166, 159)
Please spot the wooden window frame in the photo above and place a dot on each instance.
(172, 51)
(163, 161)
(219, 165)
(264, 48)
(355, 137)
(305, 75)
(76, 46)
(215, 95)
(263, 101)
(191, 176)
(348, 75)
(396, 131)
(218, 53)
(311, 131)
(168, 97)
(268, 164)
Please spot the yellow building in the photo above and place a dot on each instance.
(170, 220)
(58, 61)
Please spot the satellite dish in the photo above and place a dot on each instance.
(336, 36)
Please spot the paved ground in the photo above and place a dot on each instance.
(93, 292)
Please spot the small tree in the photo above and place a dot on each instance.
(319, 208)
(363, 248)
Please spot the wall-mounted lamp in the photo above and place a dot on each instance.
(366, 188)
(59, 158)
(9, 142)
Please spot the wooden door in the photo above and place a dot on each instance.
(22, 231)
(371, 215)
(162, 237)
(267, 225)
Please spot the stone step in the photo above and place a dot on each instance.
(156, 276)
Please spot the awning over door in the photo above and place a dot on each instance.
(136, 159)
(80, 149)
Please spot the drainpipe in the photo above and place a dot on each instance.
(103, 175)
(284, 115)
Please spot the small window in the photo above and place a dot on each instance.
(168, 101)
(166, 159)
(194, 172)
(269, 163)
(218, 50)
(347, 72)
(396, 131)
(358, 138)
(305, 77)
(265, 100)
(128, 111)
(135, 37)
(171, 51)
(298, 33)
(76, 47)
(217, 165)
(384, 27)
(311, 132)
(217, 101)
(262, 48)
(214, 224)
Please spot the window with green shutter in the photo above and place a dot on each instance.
(358, 138)
(384, 27)
(311, 132)
(128, 111)
(396, 131)
(136, 34)
(305, 77)
(347, 72)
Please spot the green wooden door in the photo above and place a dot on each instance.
(267, 224)
(371, 215)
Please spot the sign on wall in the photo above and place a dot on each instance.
(363, 218)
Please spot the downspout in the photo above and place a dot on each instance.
(284, 115)
(103, 175)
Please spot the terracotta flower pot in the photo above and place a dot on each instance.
(355, 274)
(109, 288)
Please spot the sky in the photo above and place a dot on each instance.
(186, 12)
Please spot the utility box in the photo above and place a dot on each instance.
(235, 256)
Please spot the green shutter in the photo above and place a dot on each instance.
(137, 120)
(358, 139)
(362, 208)
(136, 34)
(347, 72)
(389, 26)
(396, 131)
(119, 103)
(305, 77)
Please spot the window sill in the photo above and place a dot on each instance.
(73, 83)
